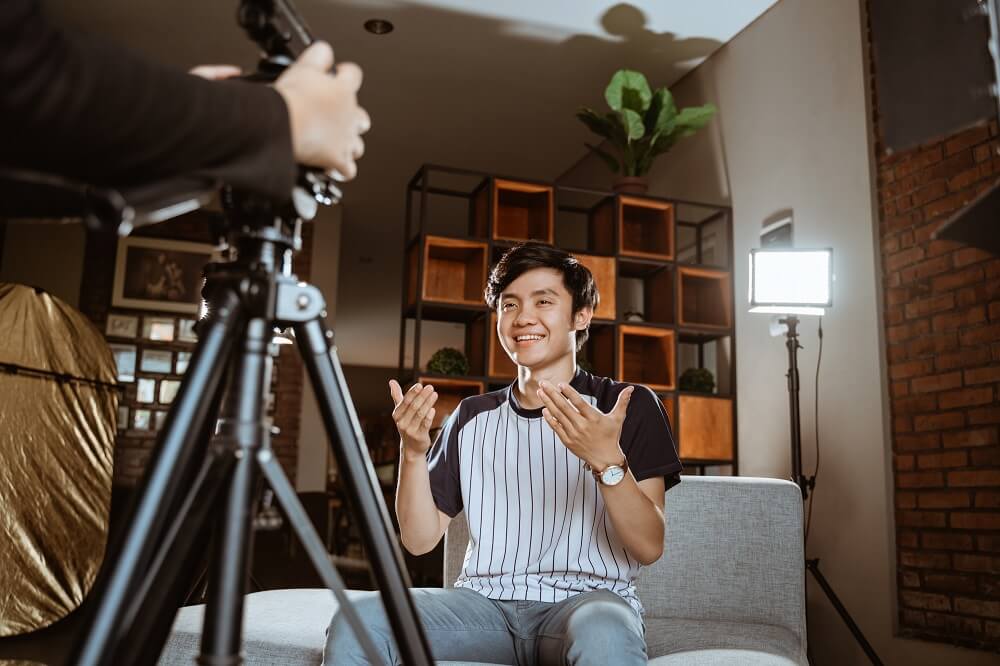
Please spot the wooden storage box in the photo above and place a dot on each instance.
(706, 428)
(705, 298)
(454, 271)
(646, 356)
(520, 211)
(603, 270)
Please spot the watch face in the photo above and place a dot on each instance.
(612, 476)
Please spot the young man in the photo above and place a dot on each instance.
(561, 477)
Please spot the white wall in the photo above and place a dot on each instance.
(793, 132)
(314, 447)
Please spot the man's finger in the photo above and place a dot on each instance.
(319, 56)
(621, 405)
(348, 74)
(411, 412)
(560, 409)
(585, 408)
(396, 392)
(556, 425)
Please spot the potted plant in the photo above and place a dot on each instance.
(641, 125)
(448, 361)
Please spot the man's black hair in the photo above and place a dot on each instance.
(577, 279)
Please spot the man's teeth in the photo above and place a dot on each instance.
(521, 338)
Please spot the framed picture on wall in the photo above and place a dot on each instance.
(157, 360)
(158, 274)
(125, 360)
(122, 326)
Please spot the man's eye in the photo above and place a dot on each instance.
(506, 306)
(544, 301)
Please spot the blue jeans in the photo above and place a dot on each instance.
(462, 625)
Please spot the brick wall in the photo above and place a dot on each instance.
(133, 449)
(942, 329)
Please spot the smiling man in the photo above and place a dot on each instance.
(561, 476)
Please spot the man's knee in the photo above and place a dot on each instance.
(342, 645)
(605, 627)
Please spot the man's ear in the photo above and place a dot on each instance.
(581, 319)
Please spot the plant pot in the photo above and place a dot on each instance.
(631, 185)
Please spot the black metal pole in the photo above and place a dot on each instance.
(792, 344)
(176, 451)
(347, 442)
(813, 566)
(241, 433)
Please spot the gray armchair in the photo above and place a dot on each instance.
(729, 588)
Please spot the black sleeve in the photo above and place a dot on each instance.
(647, 440)
(443, 464)
(94, 112)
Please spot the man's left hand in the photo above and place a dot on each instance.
(585, 430)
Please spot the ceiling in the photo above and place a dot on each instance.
(489, 86)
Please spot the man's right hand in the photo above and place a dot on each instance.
(327, 122)
(414, 414)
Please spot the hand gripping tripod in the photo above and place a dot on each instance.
(211, 454)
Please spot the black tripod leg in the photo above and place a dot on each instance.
(317, 552)
(176, 451)
(151, 613)
(813, 566)
(242, 430)
(347, 442)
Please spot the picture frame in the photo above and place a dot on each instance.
(141, 419)
(121, 326)
(168, 391)
(182, 362)
(157, 361)
(145, 390)
(125, 357)
(158, 329)
(185, 330)
(159, 274)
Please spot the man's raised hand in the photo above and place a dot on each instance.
(414, 414)
(585, 430)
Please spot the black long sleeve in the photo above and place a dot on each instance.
(97, 113)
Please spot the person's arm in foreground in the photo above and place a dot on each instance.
(95, 112)
(636, 508)
(421, 523)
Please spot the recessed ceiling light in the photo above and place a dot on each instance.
(379, 26)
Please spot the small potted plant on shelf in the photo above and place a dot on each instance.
(448, 361)
(697, 380)
(641, 125)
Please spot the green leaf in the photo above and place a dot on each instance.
(618, 130)
(596, 123)
(628, 90)
(608, 158)
(693, 118)
(662, 114)
(632, 122)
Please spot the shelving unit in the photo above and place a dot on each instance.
(663, 268)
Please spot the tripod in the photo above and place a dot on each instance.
(807, 484)
(205, 473)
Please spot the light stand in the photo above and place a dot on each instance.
(807, 484)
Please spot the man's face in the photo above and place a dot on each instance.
(535, 320)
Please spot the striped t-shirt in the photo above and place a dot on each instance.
(537, 521)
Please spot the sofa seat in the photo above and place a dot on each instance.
(689, 641)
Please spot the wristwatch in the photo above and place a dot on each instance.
(611, 475)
